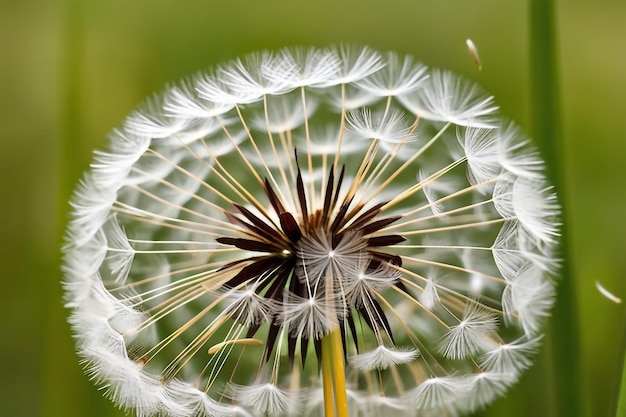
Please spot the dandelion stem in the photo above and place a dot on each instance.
(333, 372)
(329, 403)
(339, 376)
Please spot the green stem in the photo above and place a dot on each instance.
(547, 131)
(618, 408)
(621, 403)
(60, 362)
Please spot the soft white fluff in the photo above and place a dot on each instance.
(438, 393)
(532, 203)
(471, 334)
(401, 75)
(385, 127)
(528, 299)
(511, 358)
(481, 151)
(311, 317)
(382, 357)
(449, 98)
(267, 398)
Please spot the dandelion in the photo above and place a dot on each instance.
(312, 231)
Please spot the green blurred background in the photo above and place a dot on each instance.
(74, 69)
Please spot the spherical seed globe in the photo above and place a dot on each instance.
(245, 214)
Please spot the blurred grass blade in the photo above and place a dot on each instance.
(621, 401)
(60, 369)
(545, 112)
(618, 403)
(68, 392)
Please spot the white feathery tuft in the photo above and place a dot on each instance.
(266, 398)
(199, 404)
(360, 283)
(185, 101)
(429, 297)
(120, 252)
(447, 97)
(302, 67)
(313, 317)
(110, 169)
(481, 151)
(248, 307)
(319, 260)
(214, 89)
(516, 155)
(471, 335)
(356, 63)
(251, 76)
(399, 76)
(382, 358)
(438, 393)
(528, 299)
(514, 248)
(91, 204)
(511, 358)
(376, 404)
(532, 203)
(385, 127)
(484, 387)
(152, 122)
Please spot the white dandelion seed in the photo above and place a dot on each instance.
(310, 317)
(400, 75)
(381, 358)
(429, 297)
(250, 77)
(483, 159)
(239, 221)
(356, 63)
(514, 153)
(150, 121)
(527, 299)
(439, 393)
(185, 101)
(447, 97)
(511, 358)
(474, 53)
(484, 387)
(362, 282)
(606, 293)
(384, 127)
(471, 334)
(267, 398)
(532, 203)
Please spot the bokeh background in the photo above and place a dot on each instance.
(73, 69)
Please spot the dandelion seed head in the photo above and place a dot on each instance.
(238, 218)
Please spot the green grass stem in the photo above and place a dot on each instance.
(545, 113)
